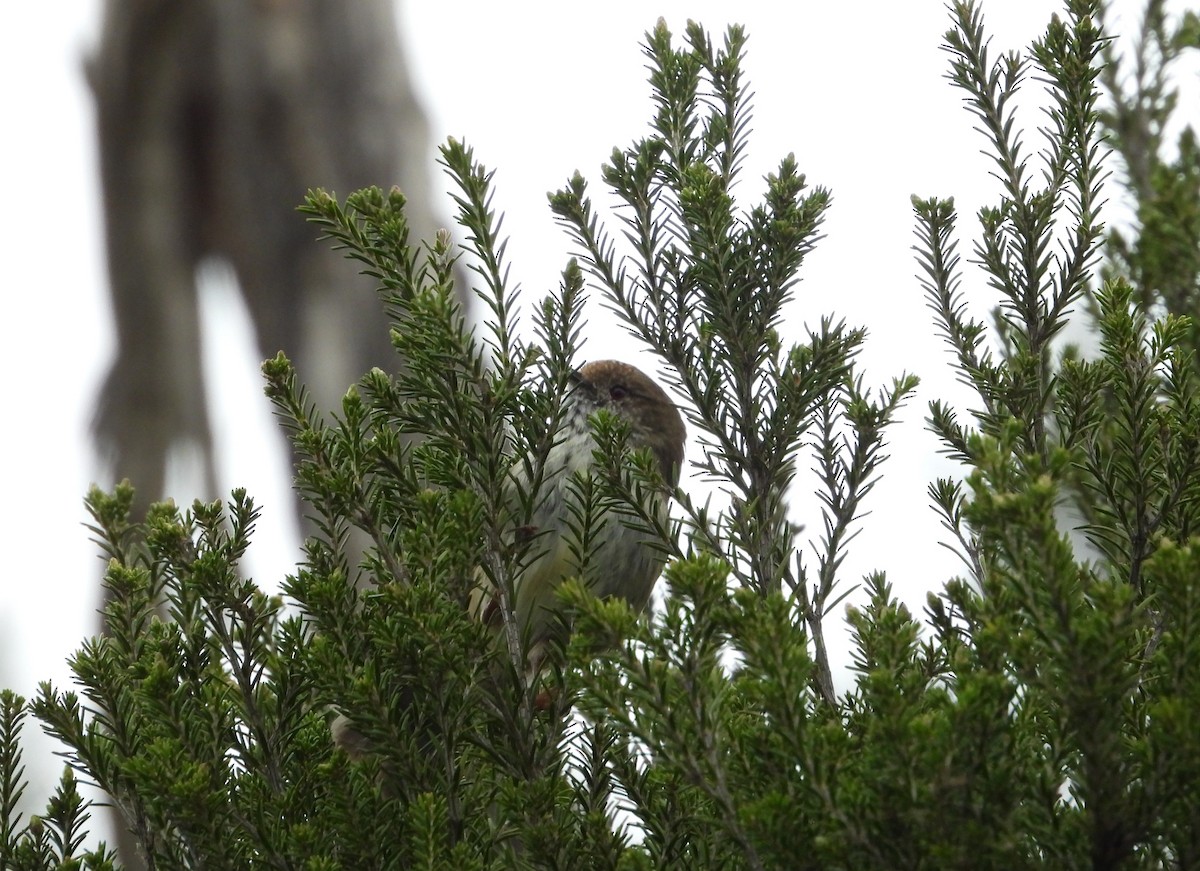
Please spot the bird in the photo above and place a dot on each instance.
(624, 561)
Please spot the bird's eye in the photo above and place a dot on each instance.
(617, 392)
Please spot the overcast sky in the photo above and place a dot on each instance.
(855, 90)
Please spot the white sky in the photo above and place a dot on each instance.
(856, 90)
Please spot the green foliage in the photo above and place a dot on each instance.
(1160, 256)
(55, 839)
(1113, 437)
(707, 288)
(1045, 713)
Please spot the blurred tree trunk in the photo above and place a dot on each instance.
(214, 119)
